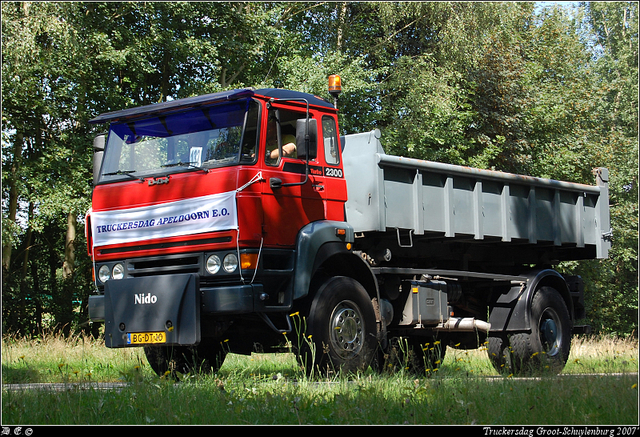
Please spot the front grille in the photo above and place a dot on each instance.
(170, 245)
(165, 265)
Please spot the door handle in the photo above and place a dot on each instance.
(275, 183)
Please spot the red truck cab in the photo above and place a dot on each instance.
(213, 144)
(198, 208)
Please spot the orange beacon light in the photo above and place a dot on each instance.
(335, 85)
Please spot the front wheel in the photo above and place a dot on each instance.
(546, 348)
(341, 328)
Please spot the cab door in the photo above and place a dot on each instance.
(331, 184)
(290, 198)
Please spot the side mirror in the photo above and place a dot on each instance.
(307, 150)
(98, 152)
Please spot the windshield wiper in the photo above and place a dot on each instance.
(188, 164)
(125, 173)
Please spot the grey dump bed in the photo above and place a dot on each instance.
(421, 198)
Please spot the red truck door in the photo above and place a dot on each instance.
(331, 184)
(288, 208)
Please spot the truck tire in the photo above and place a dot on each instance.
(546, 348)
(206, 357)
(341, 329)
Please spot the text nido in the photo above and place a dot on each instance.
(142, 299)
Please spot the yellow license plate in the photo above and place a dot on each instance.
(146, 337)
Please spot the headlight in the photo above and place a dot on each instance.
(118, 271)
(230, 263)
(213, 264)
(104, 274)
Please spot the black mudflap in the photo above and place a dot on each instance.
(152, 310)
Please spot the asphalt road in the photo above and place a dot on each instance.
(120, 385)
(60, 386)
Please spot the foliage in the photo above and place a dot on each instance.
(547, 92)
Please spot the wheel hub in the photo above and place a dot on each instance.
(346, 329)
(549, 329)
(550, 333)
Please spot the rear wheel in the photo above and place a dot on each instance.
(206, 357)
(546, 348)
(341, 329)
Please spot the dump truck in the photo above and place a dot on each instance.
(243, 221)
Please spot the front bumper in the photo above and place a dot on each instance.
(171, 304)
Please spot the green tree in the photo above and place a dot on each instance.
(46, 168)
(613, 28)
(492, 85)
(64, 63)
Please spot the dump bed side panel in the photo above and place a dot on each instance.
(386, 193)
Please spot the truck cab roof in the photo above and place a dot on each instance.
(207, 100)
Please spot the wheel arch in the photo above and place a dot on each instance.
(322, 246)
(345, 263)
(553, 279)
(511, 312)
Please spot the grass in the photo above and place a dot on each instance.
(271, 389)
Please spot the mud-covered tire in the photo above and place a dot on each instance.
(546, 348)
(341, 329)
(207, 357)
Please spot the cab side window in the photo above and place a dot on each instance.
(281, 135)
(330, 140)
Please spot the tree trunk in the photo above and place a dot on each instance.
(342, 16)
(13, 201)
(69, 247)
(27, 245)
(65, 317)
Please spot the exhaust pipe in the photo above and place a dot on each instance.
(464, 324)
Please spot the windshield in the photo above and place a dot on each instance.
(196, 139)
